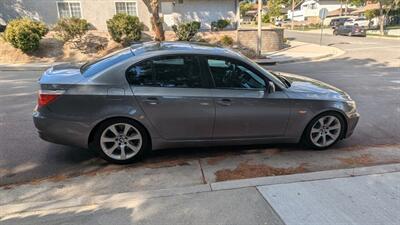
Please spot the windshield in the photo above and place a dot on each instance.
(92, 67)
(274, 77)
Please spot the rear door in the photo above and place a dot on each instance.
(244, 109)
(174, 96)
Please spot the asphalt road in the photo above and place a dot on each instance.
(369, 72)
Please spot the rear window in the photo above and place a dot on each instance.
(93, 67)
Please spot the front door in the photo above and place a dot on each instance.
(244, 109)
(174, 97)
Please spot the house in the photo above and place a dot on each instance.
(97, 12)
(308, 10)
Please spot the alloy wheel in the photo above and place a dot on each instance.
(121, 141)
(325, 131)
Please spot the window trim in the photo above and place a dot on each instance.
(204, 80)
(69, 8)
(249, 67)
(126, 8)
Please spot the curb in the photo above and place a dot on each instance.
(266, 62)
(9, 209)
(383, 37)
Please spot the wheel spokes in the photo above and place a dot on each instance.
(325, 131)
(134, 137)
(122, 136)
(126, 130)
(114, 130)
(123, 153)
(132, 147)
(107, 139)
(112, 148)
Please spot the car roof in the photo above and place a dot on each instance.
(179, 47)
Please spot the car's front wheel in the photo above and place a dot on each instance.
(121, 141)
(324, 130)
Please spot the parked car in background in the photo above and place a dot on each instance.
(360, 21)
(278, 22)
(3, 25)
(175, 94)
(336, 22)
(350, 30)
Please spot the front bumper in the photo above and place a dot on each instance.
(352, 121)
(61, 131)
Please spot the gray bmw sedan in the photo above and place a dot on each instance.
(172, 94)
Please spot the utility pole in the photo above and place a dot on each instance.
(237, 20)
(291, 23)
(259, 28)
(341, 7)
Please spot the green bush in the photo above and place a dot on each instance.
(72, 30)
(124, 28)
(25, 34)
(220, 24)
(266, 18)
(186, 31)
(226, 40)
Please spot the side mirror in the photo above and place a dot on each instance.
(270, 87)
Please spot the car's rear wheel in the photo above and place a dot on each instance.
(324, 130)
(121, 141)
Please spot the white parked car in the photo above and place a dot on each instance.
(360, 21)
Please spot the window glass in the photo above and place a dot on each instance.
(69, 9)
(131, 8)
(63, 9)
(227, 74)
(120, 7)
(93, 67)
(126, 7)
(176, 71)
(75, 9)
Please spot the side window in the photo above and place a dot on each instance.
(141, 74)
(227, 74)
(173, 71)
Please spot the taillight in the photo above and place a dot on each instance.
(45, 97)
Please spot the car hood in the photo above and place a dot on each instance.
(308, 88)
(62, 74)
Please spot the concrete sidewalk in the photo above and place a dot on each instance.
(300, 52)
(359, 196)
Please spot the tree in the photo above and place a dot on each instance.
(370, 14)
(156, 22)
(384, 9)
(274, 7)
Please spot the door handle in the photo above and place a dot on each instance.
(151, 100)
(225, 102)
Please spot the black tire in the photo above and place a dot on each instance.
(145, 146)
(306, 138)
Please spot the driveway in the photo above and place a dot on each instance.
(369, 72)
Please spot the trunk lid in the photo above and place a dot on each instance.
(66, 74)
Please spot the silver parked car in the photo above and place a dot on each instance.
(171, 94)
